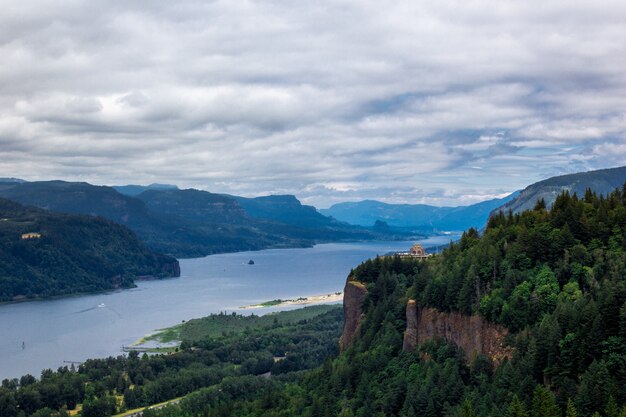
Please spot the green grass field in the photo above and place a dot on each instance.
(228, 325)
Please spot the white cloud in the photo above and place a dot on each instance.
(328, 100)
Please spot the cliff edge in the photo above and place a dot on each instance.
(353, 296)
(473, 334)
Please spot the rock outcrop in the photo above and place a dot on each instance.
(410, 334)
(171, 269)
(353, 296)
(473, 334)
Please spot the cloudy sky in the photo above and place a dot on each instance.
(441, 102)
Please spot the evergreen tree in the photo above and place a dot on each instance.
(516, 408)
(544, 404)
(570, 410)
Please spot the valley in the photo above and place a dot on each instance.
(105, 322)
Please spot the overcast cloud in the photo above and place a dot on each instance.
(445, 102)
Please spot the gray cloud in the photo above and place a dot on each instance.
(436, 103)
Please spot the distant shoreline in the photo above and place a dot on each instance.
(300, 301)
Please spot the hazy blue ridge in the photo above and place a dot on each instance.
(421, 216)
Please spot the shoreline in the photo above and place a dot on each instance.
(168, 339)
(300, 301)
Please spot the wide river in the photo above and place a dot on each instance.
(47, 334)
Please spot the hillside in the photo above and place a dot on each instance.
(601, 182)
(286, 209)
(272, 221)
(69, 254)
(192, 223)
(527, 320)
(416, 216)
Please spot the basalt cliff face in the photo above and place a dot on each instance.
(473, 334)
(353, 296)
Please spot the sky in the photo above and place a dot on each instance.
(438, 102)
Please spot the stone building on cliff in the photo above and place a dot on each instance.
(416, 251)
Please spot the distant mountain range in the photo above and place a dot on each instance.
(43, 253)
(602, 181)
(190, 223)
(416, 216)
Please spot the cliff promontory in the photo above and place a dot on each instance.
(473, 334)
(353, 296)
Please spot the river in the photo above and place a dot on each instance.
(36, 335)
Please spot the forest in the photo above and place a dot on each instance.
(70, 254)
(554, 277)
(223, 357)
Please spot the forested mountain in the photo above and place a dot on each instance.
(44, 254)
(78, 198)
(602, 181)
(416, 216)
(189, 223)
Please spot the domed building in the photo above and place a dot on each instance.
(416, 251)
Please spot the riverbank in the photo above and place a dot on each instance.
(218, 283)
(300, 301)
(221, 326)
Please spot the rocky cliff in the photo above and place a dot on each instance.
(473, 334)
(353, 296)
(171, 269)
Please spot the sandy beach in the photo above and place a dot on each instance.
(308, 300)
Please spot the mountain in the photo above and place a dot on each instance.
(134, 190)
(79, 198)
(192, 223)
(367, 212)
(43, 253)
(194, 206)
(416, 216)
(602, 181)
(4, 179)
(272, 221)
(286, 209)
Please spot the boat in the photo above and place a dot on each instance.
(101, 305)
(250, 262)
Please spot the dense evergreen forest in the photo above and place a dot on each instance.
(555, 278)
(69, 254)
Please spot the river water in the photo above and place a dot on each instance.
(45, 334)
